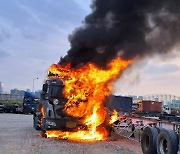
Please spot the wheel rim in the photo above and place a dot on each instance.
(163, 146)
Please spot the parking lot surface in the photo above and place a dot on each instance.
(17, 136)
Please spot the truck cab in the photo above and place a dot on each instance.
(30, 102)
(50, 114)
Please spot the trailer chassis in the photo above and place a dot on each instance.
(164, 138)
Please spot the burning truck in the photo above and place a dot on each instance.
(50, 114)
(115, 35)
(73, 101)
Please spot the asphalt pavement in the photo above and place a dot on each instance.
(17, 136)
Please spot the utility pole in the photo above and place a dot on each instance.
(33, 84)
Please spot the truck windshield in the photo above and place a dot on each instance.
(135, 106)
(56, 91)
(36, 100)
(31, 100)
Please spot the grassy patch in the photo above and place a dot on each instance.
(20, 102)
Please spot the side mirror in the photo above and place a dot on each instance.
(45, 87)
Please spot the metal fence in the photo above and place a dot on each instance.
(9, 97)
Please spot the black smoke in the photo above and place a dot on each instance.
(126, 28)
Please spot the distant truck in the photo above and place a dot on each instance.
(14, 108)
(147, 107)
(30, 102)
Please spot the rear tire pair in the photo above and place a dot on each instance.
(159, 141)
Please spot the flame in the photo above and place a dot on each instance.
(86, 90)
(114, 117)
(43, 115)
(42, 112)
(80, 135)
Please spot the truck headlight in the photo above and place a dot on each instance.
(50, 123)
(55, 101)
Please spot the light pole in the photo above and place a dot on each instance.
(33, 84)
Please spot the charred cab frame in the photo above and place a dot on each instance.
(53, 102)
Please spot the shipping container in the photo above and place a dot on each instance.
(120, 103)
(149, 106)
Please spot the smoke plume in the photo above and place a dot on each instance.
(126, 28)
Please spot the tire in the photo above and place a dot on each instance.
(25, 111)
(148, 140)
(36, 123)
(167, 142)
(159, 129)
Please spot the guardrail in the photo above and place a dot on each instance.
(9, 97)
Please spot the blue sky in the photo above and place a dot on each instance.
(34, 34)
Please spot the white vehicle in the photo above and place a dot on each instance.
(1, 107)
(167, 109)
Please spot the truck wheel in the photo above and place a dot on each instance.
(36, 123)
(148, 140)
(167, 142)
(159, 129)
(25, 111)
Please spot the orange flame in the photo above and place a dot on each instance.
(114, 117)
(43, 115)
(42, 112)
(86, 89)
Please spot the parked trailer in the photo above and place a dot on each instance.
(156, 136)
(158, 140)
(121, 104)
(147, 106)
(171, 118)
